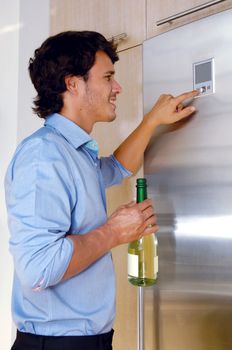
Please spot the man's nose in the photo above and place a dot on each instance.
(116, 87)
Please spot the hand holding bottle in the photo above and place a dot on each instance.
(132, 221)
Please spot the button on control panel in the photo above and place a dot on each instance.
(203, 77)
(202, 89)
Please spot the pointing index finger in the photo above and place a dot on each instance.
(185, 96)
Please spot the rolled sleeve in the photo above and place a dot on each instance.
(40, 201)
(113, 171)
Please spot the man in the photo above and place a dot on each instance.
(64, 288)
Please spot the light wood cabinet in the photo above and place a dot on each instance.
(161, 9)
(109, 17)
(109, 136)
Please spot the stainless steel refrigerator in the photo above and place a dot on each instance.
(189, 171)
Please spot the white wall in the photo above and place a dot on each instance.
(9, 40)
(34, 15)
(24, 24)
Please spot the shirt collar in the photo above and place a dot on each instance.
(68, 129)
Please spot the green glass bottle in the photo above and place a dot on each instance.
(142, 254)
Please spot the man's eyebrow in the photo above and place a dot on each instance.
(112, 72)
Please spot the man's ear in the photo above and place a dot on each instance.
(71, 83)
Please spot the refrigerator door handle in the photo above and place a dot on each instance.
(188, 12)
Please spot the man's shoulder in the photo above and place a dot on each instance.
(41, 135)
(42, 144)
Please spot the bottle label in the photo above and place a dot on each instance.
(133, 265)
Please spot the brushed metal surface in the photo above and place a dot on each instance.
(189, 172)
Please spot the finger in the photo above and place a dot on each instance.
(145, 204)
(185, 112)
(179, 107)
(147, 213)
(150, 229)
(185, 96)
(151, 221)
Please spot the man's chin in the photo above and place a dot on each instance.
(107, 119)
(111, 117)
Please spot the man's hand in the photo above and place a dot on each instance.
(169, 109)
(132, 221)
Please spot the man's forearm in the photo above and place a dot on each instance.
(87, 249)
(130, 152)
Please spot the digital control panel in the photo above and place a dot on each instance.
(203, 77)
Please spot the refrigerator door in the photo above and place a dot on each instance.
(189, 171)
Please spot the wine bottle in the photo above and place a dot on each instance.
(142, 254)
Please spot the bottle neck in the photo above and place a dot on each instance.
(141, 193)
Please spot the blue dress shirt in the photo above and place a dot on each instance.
(55, 185)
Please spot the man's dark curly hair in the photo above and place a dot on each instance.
(69, 53)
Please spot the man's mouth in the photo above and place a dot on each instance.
(113, 101)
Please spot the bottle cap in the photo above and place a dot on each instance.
(141, 182)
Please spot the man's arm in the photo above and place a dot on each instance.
(167, 110)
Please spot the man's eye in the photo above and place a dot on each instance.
(108, 77)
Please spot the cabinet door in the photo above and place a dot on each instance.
(161, 9)
(109, 136)
(109, 17)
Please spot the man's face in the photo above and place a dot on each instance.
(101, 89)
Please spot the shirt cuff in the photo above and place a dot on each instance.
(123, 170)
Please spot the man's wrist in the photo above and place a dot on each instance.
(150, 121)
